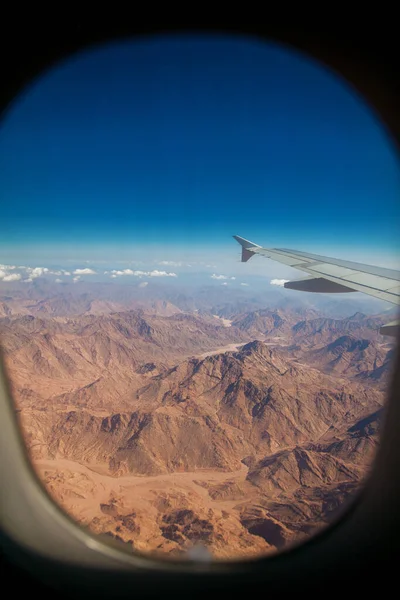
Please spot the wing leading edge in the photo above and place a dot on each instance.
(332, 275)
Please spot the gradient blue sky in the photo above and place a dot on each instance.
(142, 148)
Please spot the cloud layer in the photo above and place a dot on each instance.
(214, 276)
(170, 263)
(85, 271)
(154, 273)
(16, 273)
(28, 274)
(10, 276)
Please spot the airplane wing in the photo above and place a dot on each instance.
(332, 275)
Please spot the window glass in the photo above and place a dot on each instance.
(172, 396)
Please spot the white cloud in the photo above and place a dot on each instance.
(58, 280)
(12, 277)
(124, 272)
(10, 267)
(214, 276)
(77, 278)
(84, 272)
(224, 283)
(154, 273)
(244, 284)
(36, 272)
(170, 263)
(143, 284)
(280, 282)
(32, 273)
(5, 276)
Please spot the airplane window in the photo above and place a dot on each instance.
(181, 390)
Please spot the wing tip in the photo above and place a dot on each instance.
(246, 247)
(245, 243)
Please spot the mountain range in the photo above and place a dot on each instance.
(163, 428)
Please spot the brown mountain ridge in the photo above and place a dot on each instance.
(163, 431)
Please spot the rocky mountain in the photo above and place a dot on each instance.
(207, 414)
(164, 429)
(353, 357)
(70, 304)
(319, 330)
(232, 447)
(266, 322)
(307, 328)
(77, 352)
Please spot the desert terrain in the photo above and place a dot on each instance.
(164, 425)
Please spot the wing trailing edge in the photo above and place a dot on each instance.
(318, 285)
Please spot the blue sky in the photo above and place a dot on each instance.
(161, 150)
